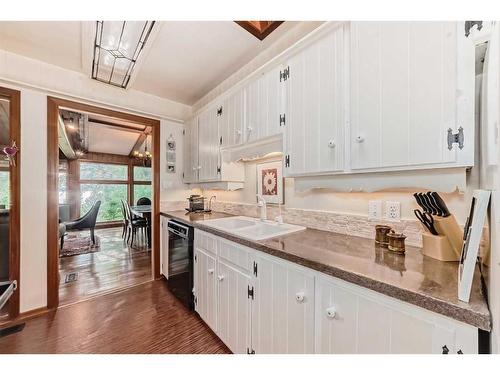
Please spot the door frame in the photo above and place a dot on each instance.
(14, 97)
(54, 104)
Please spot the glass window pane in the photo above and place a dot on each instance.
(142, 174)
(63, 187)
(110, 197)
(100, 171)
(4, 189)
(142, 191)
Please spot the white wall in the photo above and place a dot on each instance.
(36, 81)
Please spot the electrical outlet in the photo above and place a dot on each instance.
(393, 211)
(374, 210)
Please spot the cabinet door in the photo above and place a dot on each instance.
(208, 145)
(409, 84)
(205, 288)
(164, 246)
(350, 319)
(234, 308)
(315, 118)
(190, 174)
(283, 308)
(231, 120)
(264, 103)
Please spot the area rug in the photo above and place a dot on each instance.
(78, 245)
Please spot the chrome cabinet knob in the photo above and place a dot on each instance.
(331, 313)
(359, 139)
(331, 143)
(249, 128)
(238, 132)
(220, 277)
(211, 271)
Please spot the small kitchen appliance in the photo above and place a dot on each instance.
(196, 203)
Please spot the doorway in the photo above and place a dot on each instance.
(10, 168)
(101, 164)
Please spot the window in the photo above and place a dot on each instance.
(4, 189)
(101, 171)
(142, 183)
(110, 196)
(63, 182)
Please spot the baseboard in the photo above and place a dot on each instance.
(25, 316)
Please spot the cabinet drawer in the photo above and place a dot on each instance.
(236, 254)
(205, 241)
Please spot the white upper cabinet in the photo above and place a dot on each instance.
(315, 116)
(410, 83)
(209, 144)
(264, 105)
(190, 173)
(232, 119)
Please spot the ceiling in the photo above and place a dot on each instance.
(111, 140)
(184, 61)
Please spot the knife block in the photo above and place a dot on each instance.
(448, 226)
(438, 247)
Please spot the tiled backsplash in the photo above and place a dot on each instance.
(354, 225)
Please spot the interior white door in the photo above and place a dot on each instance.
(283, 308)
(264, 100)
(315, 118)
(232, 119)
(234, 308)
(208, 145)
(205, 286)
(406, 81)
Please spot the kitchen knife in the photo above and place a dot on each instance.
(427, 204)
(440, 202)
(434, 204)
(419, 201)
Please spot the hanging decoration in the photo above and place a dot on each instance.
(10, 153)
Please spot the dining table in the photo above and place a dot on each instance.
(144, 211)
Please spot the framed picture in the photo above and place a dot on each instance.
(472, 237)
(270, 182)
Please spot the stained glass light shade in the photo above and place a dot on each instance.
(117, 47)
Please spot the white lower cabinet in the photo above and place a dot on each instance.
(283, 307)
(351, 319)
(257, 303)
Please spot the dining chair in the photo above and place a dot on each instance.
(144, 201)
(134, 224)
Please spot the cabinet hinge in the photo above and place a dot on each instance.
(219, 111)
(285, 74)
(287, 161)
(182, 174)
(456, 138)
(250, 351)
(218, 170)
(282, 120)
(183, 131)
(250, 292)
(195, 258)
(255, 268)
(220, 141)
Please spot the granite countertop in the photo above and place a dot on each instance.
(413, 278)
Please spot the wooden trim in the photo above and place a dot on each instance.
(259, 29)
(105, 182)
(25, 316)
(53, 106)
(155, 214)
(14, 98)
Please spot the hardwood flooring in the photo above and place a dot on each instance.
(143, 319)
(115, 266)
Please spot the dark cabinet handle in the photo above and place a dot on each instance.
(460, 351)
(445, 350)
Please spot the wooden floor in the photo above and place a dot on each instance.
(115, 266)
(143, 319)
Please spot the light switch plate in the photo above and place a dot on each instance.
(393, 211)
(374, 210)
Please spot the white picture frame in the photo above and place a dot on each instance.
(473, 232)
(269, 178)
